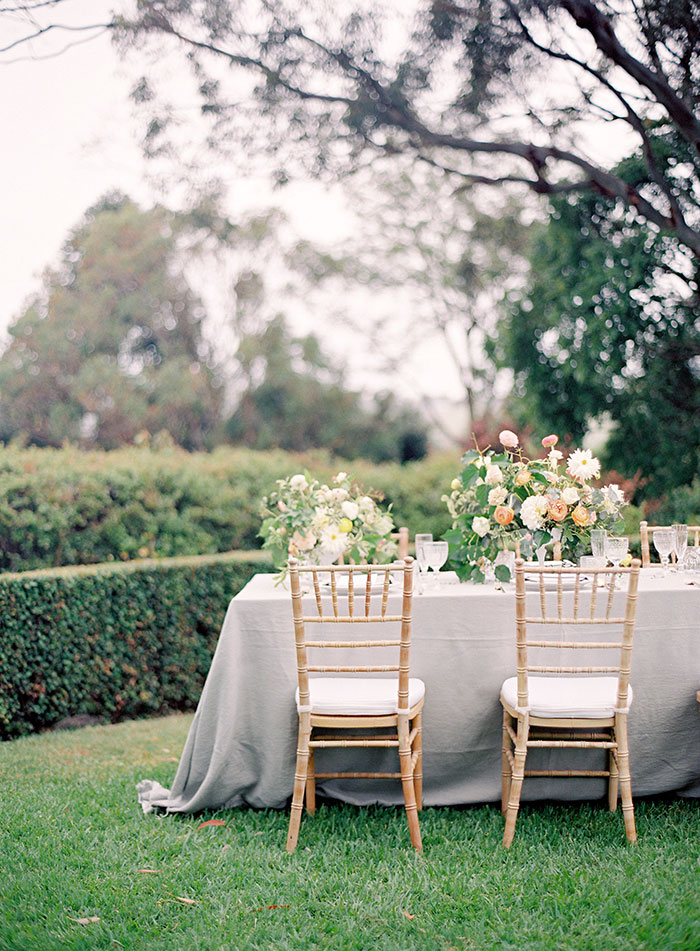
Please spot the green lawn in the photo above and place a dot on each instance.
(74, 844)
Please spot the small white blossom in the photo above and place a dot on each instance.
(350, 510)
(493, 475)
(481, 526)
(298, 482)
(340, 477)
(554, 457)
(570, 495)
(498, 495)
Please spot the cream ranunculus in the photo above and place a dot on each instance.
(570, 495)
(498, 495)
(481, 526)
(493, 475)
(298, 482)
(456, 484)
(350, 509)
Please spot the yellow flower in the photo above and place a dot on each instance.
(345, 525)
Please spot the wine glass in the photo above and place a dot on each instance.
(680, 542)
(616, 547)
(598, 536)
(664, 540)
(421, 541)
(436, 556)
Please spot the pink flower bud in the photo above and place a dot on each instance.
(550, 441)
(508, 439)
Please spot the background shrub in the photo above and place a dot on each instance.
(117, 640)
(69, 507)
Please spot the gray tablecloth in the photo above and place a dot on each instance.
(241, 746)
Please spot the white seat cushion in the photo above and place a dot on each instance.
(359, 696)
(585, 697)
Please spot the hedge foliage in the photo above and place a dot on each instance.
(115, 641)
(68, 507)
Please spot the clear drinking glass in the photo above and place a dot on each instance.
(436, 556)
(664, 540)
(616, 547)
(420, 551)
(598, 536)
(680, 542)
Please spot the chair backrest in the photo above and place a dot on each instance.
(581, 599)
(646, 532)
(338, 591)
(401, 538)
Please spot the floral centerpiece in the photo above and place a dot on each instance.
(505, 501)
(318, 523)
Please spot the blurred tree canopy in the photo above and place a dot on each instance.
(113, 343)
(293, 397)
(608, 326)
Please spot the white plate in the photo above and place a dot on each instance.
(568, 582)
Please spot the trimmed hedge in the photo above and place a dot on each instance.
(113, 641)
(69, 507)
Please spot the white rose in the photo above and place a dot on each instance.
(298, 482)
(493, 475)
(570, 495)
(366, 503)
(339, 495)
(497, 496)
(350, 510)
(481, 526)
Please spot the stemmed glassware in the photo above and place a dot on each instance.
(436, 556)
(421, 561)
(616, 547)
(680, 543)
(664, 541)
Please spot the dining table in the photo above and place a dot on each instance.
(241, 745)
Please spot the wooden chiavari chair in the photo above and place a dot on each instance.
(587, 707)
(646, 533)
(356, 598)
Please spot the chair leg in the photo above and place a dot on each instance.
(506, 771)
(299, 780)
(613, 781)
(311, 784)
(409, 792)
(418, 769)
(623, 763)
(516, 784)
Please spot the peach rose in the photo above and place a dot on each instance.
(503, 514)
(557, 510)
(581, 516)
(549, 441)
(523, 477)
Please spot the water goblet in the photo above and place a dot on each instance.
(616, 547)
(664, 540)
(436, 556)
(680, 543)
(598, 536)
(421, 541)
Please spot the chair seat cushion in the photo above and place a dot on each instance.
(359, 696)
(569, 697)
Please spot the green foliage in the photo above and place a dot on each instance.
(66, 506)
(680, 505)
(607, 328)
(115, 641)
(113, 344)
(295, 399)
